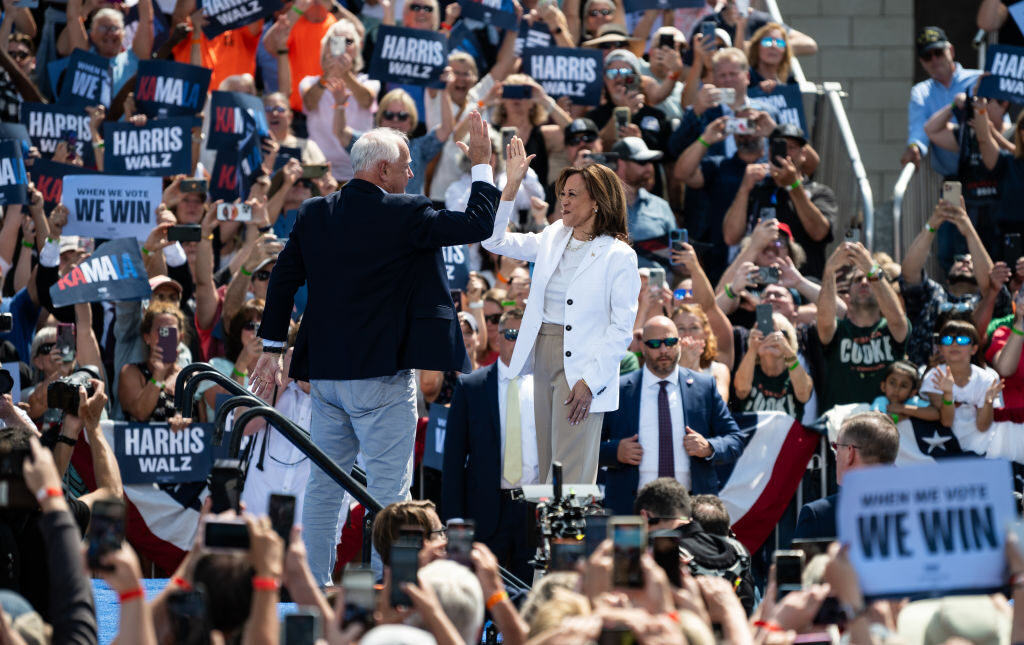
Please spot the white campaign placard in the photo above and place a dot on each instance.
(927, 529)
(111, 206)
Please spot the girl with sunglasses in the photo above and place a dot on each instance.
(770, 58)
(963, 391)
(771, 378)
(146, 389)
(242, 348)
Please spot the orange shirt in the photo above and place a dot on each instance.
(304, 53)
(182, 53)
(234, 52)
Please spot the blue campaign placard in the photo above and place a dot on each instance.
(159, 148)
(409, 56)
(165, 88)
(1005, 79)
(500, 13)
(563, 71)
(433, 449)
(87, 80)
(47, 125)
(13, 178)
(787, 100)
(114, 271)
(152, 453)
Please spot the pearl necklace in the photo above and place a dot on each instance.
(572, 249)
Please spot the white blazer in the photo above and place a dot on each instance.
(600, 305)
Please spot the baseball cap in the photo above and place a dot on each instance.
(579, 126)
(789, 131)
(975, 618)
(469, 320)
(634, 149)
(23, 619)
(930, 38)
(70, 243)
(160, 280)
(784, 228)
(271, 260)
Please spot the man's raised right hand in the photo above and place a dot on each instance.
(479, 148)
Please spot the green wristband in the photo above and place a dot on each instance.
(156, 382)
(1016, 331)
(146, 251)
(235, 372)
(27, 244)
(703, 142)
(728, 292)
(297, 10)
(245, 272)
(945, 402)
(792, 368)
(928, 227)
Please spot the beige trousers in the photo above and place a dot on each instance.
(577, 447)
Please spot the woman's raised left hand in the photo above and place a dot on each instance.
(518, 163)
(579, 402)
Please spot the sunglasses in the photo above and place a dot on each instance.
(510, 334)
(594, 13)
(275, 109)
(959, 307)
(619, 44)
(395, 116)
(928, 55)
(19, 54)
(45, 348)
(493, 319)
(682, 294)
(583, 137)
(961, 257)
(770, 42)
(655, 343)
(963, 341)
(263, 276)
(426, 8)
(251, 325)
(615, 72)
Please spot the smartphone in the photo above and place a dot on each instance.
(736, 125)
(622, 116)
(506, 137)
(301, 628)
(412, 536)
(516, 92)
(665, 548)
(336, 45)
(226, 485)
(184, 233)
(789, 569)
(657, 279)
(193, 186)
(676, 238)
(830, 613)
(234, 212)
(226, 535)
(360, 596)
(281, 509)
(460, 541)
(565, 553)
(726, 95)
(629, 535)
(812, 546)
(106, 531)
(167, 341)
(779, 150)
(313, 171)
(667, 40)
(595, 532)
(66, 341)
(767, 275)
(71, 138)
(1013, 250)
(186, 613)
(404, 566)
(457, 299)
(951, 191)
(707, 32)
(765, 323)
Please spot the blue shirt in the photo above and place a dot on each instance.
(927, 98)
(25, 314)
(650, 216)
(122, 69)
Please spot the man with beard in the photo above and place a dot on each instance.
(874, 333)
(967, 280)
(650, 216)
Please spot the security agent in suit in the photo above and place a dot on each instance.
(490, 453)
(864, 440)
(671, 422)
(379, 307)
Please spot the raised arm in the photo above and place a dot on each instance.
(687, 169)
(77, 38)
(142, 44)
(957, 215)
(920, 248)
(522, 246)
(506, 61)
(940, 130)
(987, 144)
(704, 294)
(888, 301)
(826, 303)
(991, 15)
(206, 291)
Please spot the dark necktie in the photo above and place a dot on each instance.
(666, 452)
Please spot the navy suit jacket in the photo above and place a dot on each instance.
(817, 519)
(703, 410)
(472, 452)
(379, 300)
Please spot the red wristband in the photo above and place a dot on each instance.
(181, 583)
(125, 596)
(265, 584)
(46, 493)
(769, 625)
(446, 26)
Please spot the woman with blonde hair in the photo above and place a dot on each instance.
(770, 58)
(524, 105)
(579, 318)
(771, 378)
(699, 346)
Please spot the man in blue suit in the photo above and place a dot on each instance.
(864, 440)
(379, 306)
(671, 422)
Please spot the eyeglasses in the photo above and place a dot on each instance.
(388, 115)
(510, 334)
(45, 348)
(618, 44)
(275, 109)
(426, 8)
(261, 275)
(441, 532)
(493, 319)
(655, 343)
(835, 446)
(594, 13)
(769, 42)
(251, 325)
(583, 137)
(19, 54)
(958, 307)
(109, 29)
(615, 72)
(928, 55)
(963, 341)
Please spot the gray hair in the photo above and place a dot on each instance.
(460, 596)
(109, 12)
(377, 145)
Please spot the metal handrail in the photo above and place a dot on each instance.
(220, 421)
(833, 93)
(899, 191)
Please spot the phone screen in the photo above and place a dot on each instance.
(565, 553)
(106, 531)
(301, 628)
(666, 554)
(226, 485)
(460, 541)
(281, 509)
(360, 596)
(227, 536)
(404, 566)
(66, 341)
(630, 540)
(779, 150)
(657, 279)
(622, 116)
(667, 40)
(186, 612)
(789, 566)
(506, 137)
(764, 319)
(707, 30)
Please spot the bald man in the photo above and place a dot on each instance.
(671, 422)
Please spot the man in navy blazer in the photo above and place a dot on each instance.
(474, 485)
(379, 306)
(681, 429)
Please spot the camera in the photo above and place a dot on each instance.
(559, 521)
(62, 394)
(6, 322)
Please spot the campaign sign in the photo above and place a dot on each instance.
(114, 271)
(13, 180)
(409, 56)
(662, 5)
(456, 263)
(1005, 65)
(233, 170)
(235, 116)
(500, 13)
(927, 529)
(563, 71)
(787, 100)
(159, 148)
(532, 35)
(225, 15)
(48, 176)
(111, 206)
(87, 80)
(166, 88)
(433, 447)
(47, 123)
(152, 453)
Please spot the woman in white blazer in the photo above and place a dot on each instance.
(579, 317)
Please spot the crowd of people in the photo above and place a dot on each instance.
(600, 286)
